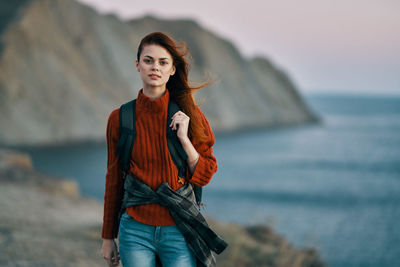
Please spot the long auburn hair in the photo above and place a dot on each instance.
(178, 86)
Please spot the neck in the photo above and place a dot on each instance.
(154, 92)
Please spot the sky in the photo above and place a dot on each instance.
(326, 46)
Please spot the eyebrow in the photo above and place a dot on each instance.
(152, 57)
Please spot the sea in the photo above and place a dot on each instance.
(332, 186)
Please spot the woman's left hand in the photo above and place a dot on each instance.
(182, 120)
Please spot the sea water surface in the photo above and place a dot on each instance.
(334, 186)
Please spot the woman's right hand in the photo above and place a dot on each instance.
(109, 251)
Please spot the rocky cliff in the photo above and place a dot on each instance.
(44, 222)
(64, 67)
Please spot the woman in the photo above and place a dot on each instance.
(149, 230)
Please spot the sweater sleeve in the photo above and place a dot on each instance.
(114, 182)
(207, 163)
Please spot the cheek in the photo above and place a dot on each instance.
(167, 76)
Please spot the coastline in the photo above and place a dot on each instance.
(38, 211)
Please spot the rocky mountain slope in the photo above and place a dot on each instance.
(64, 67)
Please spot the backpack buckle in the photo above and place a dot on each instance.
(181, 180)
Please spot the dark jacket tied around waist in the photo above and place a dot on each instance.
(182, 205)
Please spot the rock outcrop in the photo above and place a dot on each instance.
(64, 67)
(44, 222)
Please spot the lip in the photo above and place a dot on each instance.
(154, 76)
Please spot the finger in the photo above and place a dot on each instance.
(179, 113)
(175, 124)
(173, 120)
(176, 114)
(179, 118)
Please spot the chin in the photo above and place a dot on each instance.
(156, 82)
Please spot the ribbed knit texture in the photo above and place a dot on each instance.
(151, 162)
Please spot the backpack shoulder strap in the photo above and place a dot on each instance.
(127, 122)
(176, 150)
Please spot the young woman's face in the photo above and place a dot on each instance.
(155, 66)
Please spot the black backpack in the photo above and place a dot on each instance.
(127, 119)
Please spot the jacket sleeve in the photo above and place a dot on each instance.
(114, 182)
(207, 163)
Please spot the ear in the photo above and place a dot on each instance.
(173, 71)
(137, 65)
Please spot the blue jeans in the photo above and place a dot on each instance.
(139, 243)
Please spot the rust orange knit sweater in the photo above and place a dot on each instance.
(151, 163)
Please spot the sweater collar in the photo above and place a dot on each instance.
(157, 105)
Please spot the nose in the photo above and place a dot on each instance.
(156, 65)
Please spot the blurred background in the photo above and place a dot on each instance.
(306, 110)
